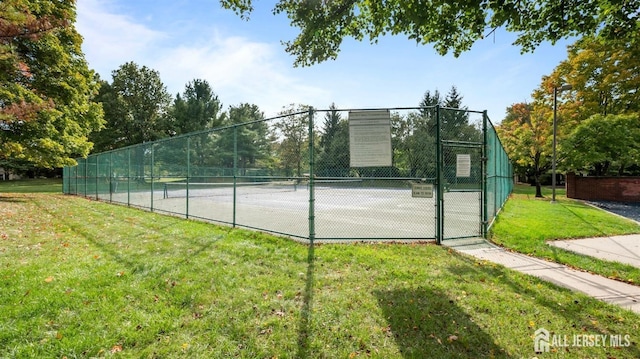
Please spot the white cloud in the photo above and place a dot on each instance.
(111, 39)
(238, 69)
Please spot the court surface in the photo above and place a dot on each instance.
(340, 213)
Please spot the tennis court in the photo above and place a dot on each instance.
(353, 213)
(404, 174)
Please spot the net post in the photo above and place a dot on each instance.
(312, 199)
(439, 180)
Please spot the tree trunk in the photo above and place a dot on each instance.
(536, 175)
(538, 185)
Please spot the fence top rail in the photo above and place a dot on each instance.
(310, 109)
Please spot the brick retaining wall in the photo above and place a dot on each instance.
(618, 189)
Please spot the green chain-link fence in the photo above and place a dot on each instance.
(389, 174)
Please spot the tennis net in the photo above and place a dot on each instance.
(198, 189)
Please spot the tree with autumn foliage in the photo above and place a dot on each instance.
(526, 133)
(605, 81)
(46, 87)
(604, 76)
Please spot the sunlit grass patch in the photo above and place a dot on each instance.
(527, 223)
(80, 278)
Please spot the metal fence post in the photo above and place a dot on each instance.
(312, 199)
(111, 179)
(439, 179)
(152, 165)
(235, 171)
(86, 176)
(128, 177)
(186, 211)
(97, 177)
(484, 164)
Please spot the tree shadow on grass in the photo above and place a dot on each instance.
(583, 314)
(307, 307)
(11, 199)
(136, 263)
(586, 222)
(426, 323)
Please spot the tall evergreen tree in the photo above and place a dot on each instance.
(455, 119)
(198, 108)
(330, 126)
(333, 158)
(253, 137)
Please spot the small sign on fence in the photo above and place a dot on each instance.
(421, 190)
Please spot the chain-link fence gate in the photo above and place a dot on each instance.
(386, 174)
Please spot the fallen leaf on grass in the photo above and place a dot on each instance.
(116, 348)
(452, 338)
(48, 279)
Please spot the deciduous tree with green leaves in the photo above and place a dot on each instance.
(603, 144)
(136, 104)
(526, 134)
(46, 87)
(292, 131)
(451, 26)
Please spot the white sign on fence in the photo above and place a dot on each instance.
(370, 138)
(463, 165)
(421, 190)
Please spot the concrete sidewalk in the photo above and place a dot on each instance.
(623, 249)
(605, 289)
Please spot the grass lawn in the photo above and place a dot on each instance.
(80, 278)
(32, 186)
(527, 223)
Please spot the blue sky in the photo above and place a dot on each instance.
(244, 61)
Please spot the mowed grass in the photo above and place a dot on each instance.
(80, 278)
(44, 185)
(527, 223)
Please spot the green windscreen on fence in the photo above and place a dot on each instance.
(407, 174)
